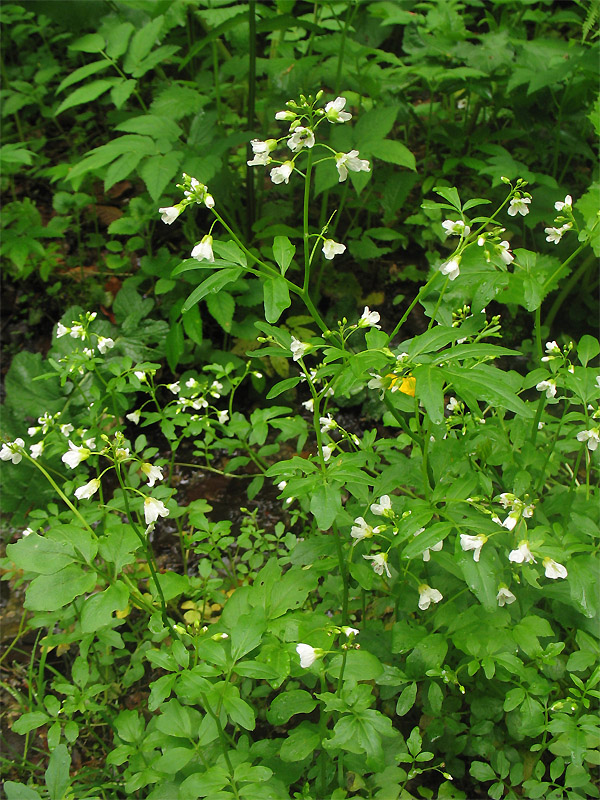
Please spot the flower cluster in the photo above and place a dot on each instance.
(77, 361)
(518, 509)
(563, 222)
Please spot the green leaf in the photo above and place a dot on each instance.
(325, 502)
(90, 43)
(375, 125)
(38, 554)
(282, 387)
(98, 609)
(57, 773)
(151, 125)
(489, 383)
(212, 284)
(429, 390)
(360, 665)
(392, 152)
(230, 252)
(482, 771)
(173, 759)
(286, 704)
(117, 39)
(406, 700)
(157, 172)
(29, 722)
(51, 592)
(247, 634)
(300, 743)
(18, 791)
(85, 94)
(277, 298)
(283, 252)
(174, 346)
(192, 324)
(142, 42)
(222, 308)
(588, 348)
(82, 73)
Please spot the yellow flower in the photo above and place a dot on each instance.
(405, 384)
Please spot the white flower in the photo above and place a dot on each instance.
(309, 405)
(261, 152)
(553, 234)
(334, 112)
(27, 532)
(308, 655)
(519, 205)
(223, 416)
(332, 249)
(36, 449)
(568, 203)
(33, 431)
(453, 405)
(547, 386)
(505, 596)
(75, 455)
(451, 268)
(121, 453)
(522, 555)
(383, 508)
(89, 489)
(152, 473)
(327, 451)
(10, 451)
(298, 348)
(427, 596)
(435, 547)
(362, 530)
(302, 137)
(140, 375)
(192, 383)
(259, 160)
(552, 349)
(88, 352)
(281, 485)
(282, 174)
(170, 213)
(174, 388)
(456, 228)
(348, 631)
(61, 330)
(554, 569)
(380, 564)
(474, 543)
(209, 200)
(512, 519)
(66, 429)
(369, 319)
(592, 437)
(203, 250)
(327, 423)
(349, 161)
(462, 103)
(77, 332)
(105, 343)
(153, 509)
(504, 253)
(133, 417)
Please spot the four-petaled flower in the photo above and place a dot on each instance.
(369, 319)
(334, 110)
(474, 543)
(298, 348)
(435, 547)
(170, 213)
(327, 451)
(383, 508)
(332, 249)
(547, 386)
(380, 563)
(282, 174)
(153, 509)
(152, 473)
(203, 250)
(555, 234)
(348, 631)
(301, 137)
(522, 555)
(362, 530)
(554, 569)
(61, 330)
(87, 490)
(261, 152)
(552, 351)
(456, 228)
(11, 451)
(308, 655)
(568, 203)
(427, 596)
(327, 423)
(592, 437)
(451, 268)
(75, 455)
(519, 205)
(504, 252)
(36, 449)
(349, 161)
(505, 596)
(105, 343)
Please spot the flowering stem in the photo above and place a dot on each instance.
(538, 416)
(62, 495)
(421, 293)
(344, 575)
(437, 305)
(250, 198)
(305, 223)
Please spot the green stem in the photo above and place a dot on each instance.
(421, 293)
(250, 198)
(566, 290)
(305, 223)
(61, 494)
(344, 575)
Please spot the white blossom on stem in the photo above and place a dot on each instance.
(334, 110)
(75, 455)
(427, 596)
(87, 490)
(282, 174)
(519, 205)
(505, 596)
(152, 473)
(522, 555)
(379, 563)
(153, 509)
(203, 250)
(451, 268)
(332, 249)
(11, 451)
(350, 161)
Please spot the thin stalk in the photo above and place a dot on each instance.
(421, 293)
(344, 576)
(566, 290)
(306, 240)
(250, 198)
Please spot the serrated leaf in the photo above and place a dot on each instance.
(158, 171)
(86, 94)
(90, 43)
(82, 73)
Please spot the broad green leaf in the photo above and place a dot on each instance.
(86, 94)
(151, 125)
(121, 168)
(143, 41)
(286, 704)
(82, 73)
(587, 349)
(374, 125)
(325, 502)
(277, 298)
(117, 39)
(173, 759)
(283, 252)
(256, 669)
(29, 722)
(174, 345)
(90, 43)
(282, 387)
(300, 743)
(360, 666)
(222, 308)
(406, 700)
(247, 634)
(392, 152)
(482, 771)
(37, 554)
(488, 383)
(57, 773)
(482, 577)
(230, 252)
(18, 791)
(122, 91)
(212, 284)
(51, 592)
(429, 390)
(158, 171)
(192, 324)
(97, 611)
